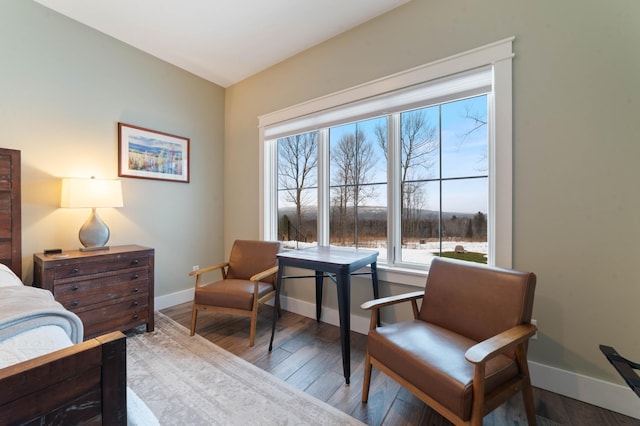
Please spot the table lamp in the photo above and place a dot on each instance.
(92, 193)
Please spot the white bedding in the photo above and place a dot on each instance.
(35, 340)
(23, 338)
(33, 343)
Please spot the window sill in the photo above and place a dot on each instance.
(410, 277)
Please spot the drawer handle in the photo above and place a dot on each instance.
(74, 288)
(135, 316)
(74, 271)
(135, 303)
(135, 289)
(135, 261)
(136, 276)
(74, 303)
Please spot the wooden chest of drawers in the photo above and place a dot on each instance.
(110, 290)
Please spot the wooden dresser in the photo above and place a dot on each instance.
(110, 290)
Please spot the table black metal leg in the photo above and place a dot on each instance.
(319, 286)
(275, 307)
(344, 296)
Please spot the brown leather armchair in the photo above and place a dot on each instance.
(464, 354)
(248, 279)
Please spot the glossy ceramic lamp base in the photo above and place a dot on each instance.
(92, 193)
(94, 234)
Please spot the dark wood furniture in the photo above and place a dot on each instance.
(10, 210)
(338, 264)
(85, 383)
(82, 384)
(110, 290)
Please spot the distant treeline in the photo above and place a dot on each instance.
(373, 227)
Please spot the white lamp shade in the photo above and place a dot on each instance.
(93, 193)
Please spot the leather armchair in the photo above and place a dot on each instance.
(248, 279)
(464, 354)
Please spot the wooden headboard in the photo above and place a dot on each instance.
(10, 210)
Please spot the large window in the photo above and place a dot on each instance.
(418, 171)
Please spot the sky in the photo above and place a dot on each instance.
(460, 156)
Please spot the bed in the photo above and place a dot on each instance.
(49, 375)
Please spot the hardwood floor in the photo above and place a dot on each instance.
(307, 355)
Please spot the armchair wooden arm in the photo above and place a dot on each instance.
(375, 305)
(482, 352)
(391, 300)
(256, 279)
(264, 274)
(501, 343)
(198, 272)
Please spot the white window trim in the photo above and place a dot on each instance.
(499, 56)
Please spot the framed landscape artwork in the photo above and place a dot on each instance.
(149, 154)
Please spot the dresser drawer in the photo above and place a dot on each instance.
(89, 268)
(85, 293)
(123, 314)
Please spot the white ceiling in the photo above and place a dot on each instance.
(223, 41)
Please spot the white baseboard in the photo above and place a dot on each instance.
(587, 389)
(173, 299)
(593, 391)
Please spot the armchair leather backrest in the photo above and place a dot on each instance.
(474, 300)
(248, 257)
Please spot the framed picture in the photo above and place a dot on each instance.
(149, 154)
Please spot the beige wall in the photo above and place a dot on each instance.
(576, 149)
(63, 89)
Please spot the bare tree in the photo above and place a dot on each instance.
(419, 142)
(297, 164)
(478, 122)
(352, 161)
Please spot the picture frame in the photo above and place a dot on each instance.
(150, 154)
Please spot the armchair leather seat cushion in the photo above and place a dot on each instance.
(436, 356)
(230, 293)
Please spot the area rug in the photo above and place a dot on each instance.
(188, 380)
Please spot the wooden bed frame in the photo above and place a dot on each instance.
(85, 383)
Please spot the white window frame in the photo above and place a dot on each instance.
(498, 56)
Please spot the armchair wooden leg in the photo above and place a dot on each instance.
(194, 317)
(527, 390)
(252, 332)
(529, 406)
(366, 382)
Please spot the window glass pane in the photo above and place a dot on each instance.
(464, 138)
(419, 197)
(444, 181)
(464, 225)
(421, 228)
(358, 184)
(297, 190)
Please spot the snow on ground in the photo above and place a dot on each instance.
(413, 252)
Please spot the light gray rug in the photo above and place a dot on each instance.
(188, 380)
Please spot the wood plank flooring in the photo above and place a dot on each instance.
(307, 355)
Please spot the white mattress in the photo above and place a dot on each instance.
(33, 343)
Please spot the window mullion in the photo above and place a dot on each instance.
(394, 224)
(324, 191)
